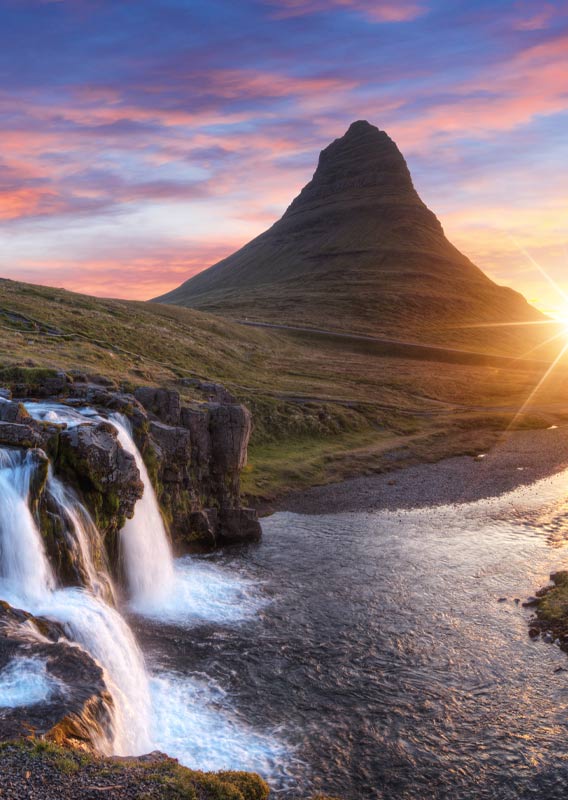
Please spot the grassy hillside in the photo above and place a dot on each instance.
(324, 408)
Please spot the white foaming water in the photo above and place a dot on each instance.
(24, 569)
(204, 593)
(185, 717)
(85, 537)
(26, 581)
(25, 682)
(146, 550)
(192, 723)
(57, 413)
(104, 633)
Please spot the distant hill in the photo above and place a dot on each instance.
(359, 251)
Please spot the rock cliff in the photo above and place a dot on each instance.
(194, 455)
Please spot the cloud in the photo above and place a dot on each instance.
(373, 10)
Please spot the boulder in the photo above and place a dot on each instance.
(14, 434)
(14, 412)
(239, 525)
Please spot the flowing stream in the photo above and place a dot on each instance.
(368, 656)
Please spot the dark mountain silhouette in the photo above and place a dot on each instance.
(358, 251)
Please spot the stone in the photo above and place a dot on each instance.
(14, 412)
(92, 459)
(230, 427)
(530, 602)
(239, 525)
(13, 434)
(174, 445)
(78, 711)
(163, 403)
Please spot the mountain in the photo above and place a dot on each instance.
(358, 251)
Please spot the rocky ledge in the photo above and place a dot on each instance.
(66, 701)
(194, 454)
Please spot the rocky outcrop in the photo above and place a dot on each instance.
(50, 772)
(91, 457)
(194, 454)
(75, 707)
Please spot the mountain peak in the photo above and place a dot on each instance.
(365, 159)
(358, 251)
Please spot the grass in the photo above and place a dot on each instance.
(33, 768)
(324, 409)
(74, 772)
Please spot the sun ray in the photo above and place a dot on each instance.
(541, 269)
(541, 382)
(523, 356)
(510, 324)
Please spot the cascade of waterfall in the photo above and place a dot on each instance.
(144, 542)
(27, 581)
(24, 569)
(84, 539)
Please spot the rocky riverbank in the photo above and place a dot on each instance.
(518, 459)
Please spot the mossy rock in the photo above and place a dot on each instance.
(55, 771)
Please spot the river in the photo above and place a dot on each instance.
(379, 655)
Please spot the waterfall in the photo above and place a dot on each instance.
(105, 635)
(24, 569)
(27, 581)
(144, 542)
(83, 539)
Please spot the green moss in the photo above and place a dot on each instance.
(30, 376)
(155, 780)
(553, 604)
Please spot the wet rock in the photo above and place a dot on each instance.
(201, 528)
(530, 602)
(14, 412)
(13, 434)
(77, 708)
(92, 459)
(5, 394)
(239, 525)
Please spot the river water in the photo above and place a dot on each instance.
(373, 655)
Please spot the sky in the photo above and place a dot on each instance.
(143, 140)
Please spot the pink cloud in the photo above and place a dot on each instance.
(374, 10)
(136, 276)
(531, 20)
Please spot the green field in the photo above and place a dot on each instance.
(324, 408)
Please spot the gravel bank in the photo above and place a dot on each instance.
(519, 459)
